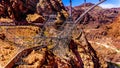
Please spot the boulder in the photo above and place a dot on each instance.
(34, 18)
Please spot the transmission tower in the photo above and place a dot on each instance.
(70, 8)
(61, 41)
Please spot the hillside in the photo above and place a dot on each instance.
(114, 28)
(40, 34)
(97, 16)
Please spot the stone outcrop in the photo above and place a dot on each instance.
(34, 18)
(18, 10)
(55, 7)
(57, 53)
(50, 6)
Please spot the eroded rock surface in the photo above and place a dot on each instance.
(18, 10)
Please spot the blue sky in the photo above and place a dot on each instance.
(107, 4)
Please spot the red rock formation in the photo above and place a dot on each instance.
(52, 6)
(19, 9)
(97, 15)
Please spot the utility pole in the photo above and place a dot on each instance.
(84, 3)
(70, 8)
(84, 10)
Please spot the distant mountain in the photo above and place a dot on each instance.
(86, 6)
(98, 14)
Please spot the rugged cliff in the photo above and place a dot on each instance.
(18, 10)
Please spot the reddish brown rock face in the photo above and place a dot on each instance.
(50, 6)
(75, 52)
(18, 10)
